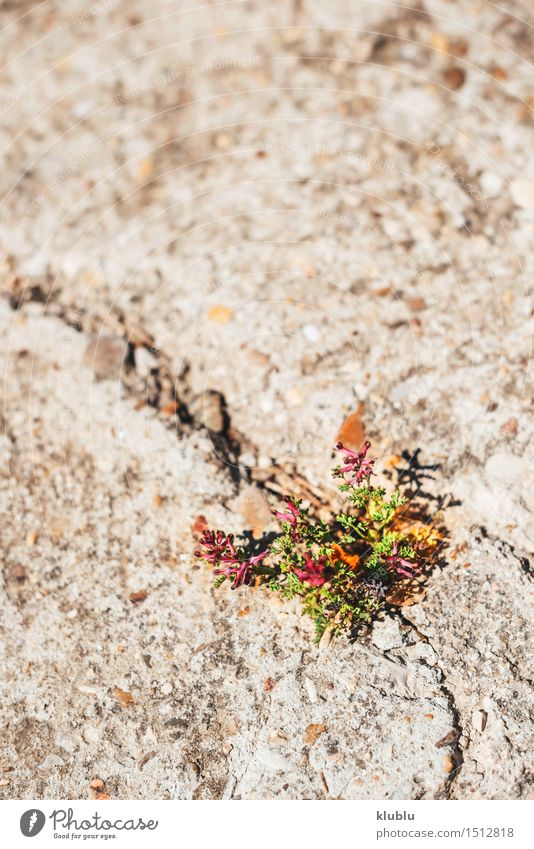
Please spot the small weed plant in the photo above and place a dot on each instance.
(346, 570)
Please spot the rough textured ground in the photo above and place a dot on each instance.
(225, 226)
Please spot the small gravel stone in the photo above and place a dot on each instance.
(18, 572)
(91, 735)
(311, 690)
(324, 642)
(386, 635)
(273, 760)
(313, 732)
(105, 355)
(522, 192)
(510, 427)
(491, 184)
(479, 720)
(208, 408)
(51, 761)
(145, 361)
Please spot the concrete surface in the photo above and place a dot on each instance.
(224, 227)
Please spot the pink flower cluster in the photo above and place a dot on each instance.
(219, 549)
(399, 565)
(313, 572)
(291, 517)
(355, 464)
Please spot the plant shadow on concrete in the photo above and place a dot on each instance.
(375, 553)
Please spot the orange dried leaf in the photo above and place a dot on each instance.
(169, 408)
(124, 698)
(352, 433)
(351, 560)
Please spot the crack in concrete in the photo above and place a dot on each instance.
(457, 751)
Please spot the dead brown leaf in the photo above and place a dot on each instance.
(138, 596)
(352, 432)
(200, 524)
(404, 593)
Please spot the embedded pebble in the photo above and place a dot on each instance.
(51, 761)
(273, 760)
(311, 690)
(91, 735)
(65, 743)
(105, 355)
(192, 772)
(427, 653)
(522, 192)
(311, 333)
(145, 361)
(326, 637)
(491, 183)
(386, 634)
(479, 720)
(505, 466)
(313, 732)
